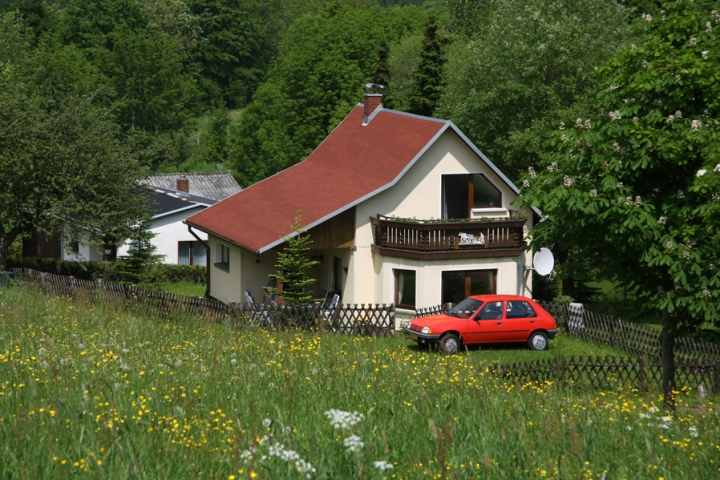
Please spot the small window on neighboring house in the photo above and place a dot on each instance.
(222, 256)
(192, 253)
(74, 247)
(405, 288)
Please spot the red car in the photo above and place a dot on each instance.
(486, 319)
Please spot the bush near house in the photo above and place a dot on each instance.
(92, 392)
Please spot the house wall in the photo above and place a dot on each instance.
(169, 230)
(86, 252)
(419, 194)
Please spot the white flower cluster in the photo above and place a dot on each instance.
(700, 173)
(619, 185)
(678, 114)
(695, 126)
(662, 220)
(615, 115)
(278, 450)
(671, 119)
(706, 292)
(532, 173)
(567, 181)
(705, 54)
(593, 193)
(717, 168)
(645, 64)
(353, 443)
(552, 167)
(693, 40)
(344, 420)
(526, 184)
(664, 422)
(635, 119)
(693, 430)
(382, 465)
(562, 125)
(647, 17)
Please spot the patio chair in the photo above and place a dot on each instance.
(330, 310)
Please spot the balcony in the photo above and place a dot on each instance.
(447, 239)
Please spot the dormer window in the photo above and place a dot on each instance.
(464, 192)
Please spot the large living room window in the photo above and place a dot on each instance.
(191, 253)
(463, 192)
(457, 285)
(405, 288)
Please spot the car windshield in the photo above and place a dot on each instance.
(466, 308)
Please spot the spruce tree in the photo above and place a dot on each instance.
(429, 78)
(293, 265)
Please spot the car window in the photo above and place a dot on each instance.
(519, 309)
(492, 311)
(466, 308)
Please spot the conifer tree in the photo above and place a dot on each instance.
(293, 265)
(429, 78)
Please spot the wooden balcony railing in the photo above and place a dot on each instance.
(447, 239)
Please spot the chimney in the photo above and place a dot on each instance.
(372, 102)
(183, 185)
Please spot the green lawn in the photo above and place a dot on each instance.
(92, 392)
(181, 288)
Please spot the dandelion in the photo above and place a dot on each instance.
(353, 443)
(267, 422)
(233, 362)
(382, 465)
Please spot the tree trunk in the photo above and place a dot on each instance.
(6, 239)
(667, 346)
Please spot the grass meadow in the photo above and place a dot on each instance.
(93, 392)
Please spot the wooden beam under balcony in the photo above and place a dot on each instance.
(447, 239)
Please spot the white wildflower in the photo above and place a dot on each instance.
(382, 465)
(677, 79)
(716, 196)
(267, 422)
(41, 352)
(579, 122)
(552, 167)
(700, 173)
(633, 46)
(353, 443)
(638, 200)
(304, 468)
(344, 420)
(567, 181)
(564, 138)
(233, 362)
(694, 431)
(668, 245)
(678, 286)
(696, 124)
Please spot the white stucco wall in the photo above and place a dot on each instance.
(419, 194)
(86, 252)
(169, 230)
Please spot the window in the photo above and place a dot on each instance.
(466, 308)
(222, 256)
(457, 286)
(492, 311)
(519, 309)
(192, 253)
(463, 192)
(405, 288)
(336, 275)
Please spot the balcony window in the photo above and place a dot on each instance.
(463, 192)
(457, 285)
(405, 289)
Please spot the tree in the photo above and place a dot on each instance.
(636, 188)
(293, 265)
(216, 136)
(429, 76)
(531, 63)
(317, 79)
(63, 158)
(142, 256)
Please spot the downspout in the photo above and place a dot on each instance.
(207, 260)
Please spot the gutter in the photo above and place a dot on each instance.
(207, 260)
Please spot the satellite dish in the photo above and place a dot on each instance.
(543, 262)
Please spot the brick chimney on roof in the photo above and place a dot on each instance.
(183, 185)
(372, 102)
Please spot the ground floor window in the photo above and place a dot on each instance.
(457, 285)
(222, 256)
(405, 288)
(192, 253)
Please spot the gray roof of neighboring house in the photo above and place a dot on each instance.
(163, 201)
(214, 185)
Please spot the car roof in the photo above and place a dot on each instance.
(491, 297)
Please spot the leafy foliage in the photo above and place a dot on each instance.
(323, 62)
(636, 187)
(530, 64)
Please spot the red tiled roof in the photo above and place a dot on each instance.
(351, 163)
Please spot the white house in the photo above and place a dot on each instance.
(401, 208)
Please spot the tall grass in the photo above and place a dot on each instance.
(87, 391)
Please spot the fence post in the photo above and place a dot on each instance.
(717, 377)
(641, 373)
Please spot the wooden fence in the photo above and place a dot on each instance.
(373, 320)
(605, 372)
(631, 338)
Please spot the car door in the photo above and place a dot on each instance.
(487, 325)
(519, 320)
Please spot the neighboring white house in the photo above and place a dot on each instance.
(172, 239)
(363, 193)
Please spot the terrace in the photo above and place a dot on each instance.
(439, 239)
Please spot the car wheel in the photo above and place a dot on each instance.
(450, 344)
(538, 341)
